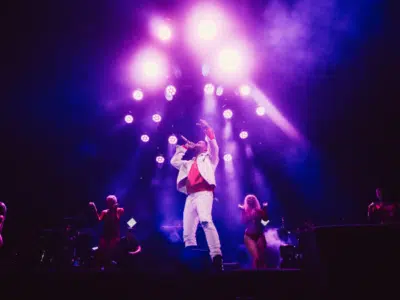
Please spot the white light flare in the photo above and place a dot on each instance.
(209, 89)
(156, 118)
(137, 95)
(172, 140)
(145, 138)
(160, 159)
(227, 157)
(243, 134)
(228, 114)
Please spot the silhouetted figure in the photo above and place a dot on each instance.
(3, 212)
(111, 230)
(382, 212)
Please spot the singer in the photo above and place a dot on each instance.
(196, 179)
(111, 230)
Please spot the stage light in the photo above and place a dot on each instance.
(243, 135)
(209, 89)
(145, 138)
(260, 111)
(156, 118)
(227, 157)
(172, 140)
(227, 114)
(137, 95)
(128, 119)
(205, 70)
(169, 97)
(160, 159)
(207, 30)
(220, 91)
(170, 90)
(164, 32)
(150, 68)
(229, 60)
(244, 90)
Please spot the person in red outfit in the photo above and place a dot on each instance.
(196, 179)
(111, 231)
(3, 211)
(382, 211)
(254, 239)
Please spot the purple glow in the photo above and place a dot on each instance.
(260, 111)
(172, 140)
(244, 90)
(156, 118)
(227, 114)
(220, 91)
(137, 95)
(128, 119)
(227, 157)
(209, 89)
(145, 138)
(244, 135)
(160, 159)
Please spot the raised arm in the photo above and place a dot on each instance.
(212, 142)
(176, 160)
(94, 208)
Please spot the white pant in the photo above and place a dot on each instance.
(198, 208)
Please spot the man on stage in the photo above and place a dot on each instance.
(196, 179)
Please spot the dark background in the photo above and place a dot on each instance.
(64, 143)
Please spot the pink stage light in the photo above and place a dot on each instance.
(161, 29)
(243, 135)
(209, 89)
(160, 159)
(150, 68)
(227, 114)
(128, 119)
(207, 29)
(164, 32)
(145, 138)
(170, 90)
(220, 91)
(260, 111)
(227, 157)
(157, 118)
(137, 95)
(172, 140)
(244, 90)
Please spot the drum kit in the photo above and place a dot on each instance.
(67, 246)
(287, 243)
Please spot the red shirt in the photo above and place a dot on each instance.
(195, 182)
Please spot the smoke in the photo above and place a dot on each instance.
(305, 34)
(273, 240)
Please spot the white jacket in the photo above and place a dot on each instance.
(207, 163)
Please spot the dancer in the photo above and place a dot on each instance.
(129, 248)
(196, 179)
(3, 211)
(381, 211)
(111, 230)
(254, 238)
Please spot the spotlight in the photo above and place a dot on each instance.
(169, 97)
(244, 90)
(220, 91)
(227, 157)
(172, 140)
(164, 32)
(260, 111)
(157, 118)
(229, 60)
(207, 30)
(137, 95)
(227, 114)
(145, 138)
(160, 159)
(128, 119)
(244, 135)
(209, 89)
(170, 90)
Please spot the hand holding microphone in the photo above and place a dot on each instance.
(189, 144)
